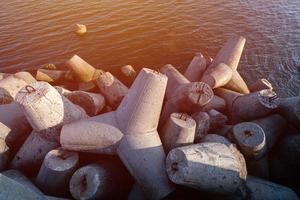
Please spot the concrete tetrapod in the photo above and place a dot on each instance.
(31, 154)
(213, 138)
(96, 181)
(208, 166)
(137, 118)
(196, 68)
(9, 87)
(11, 189)
(223, 131)
(50, 75)
(182, 95)
(25, 76)
(3, 75)
(229, 96)
(251, 106)
(202, 120)
(217, 119)
(217, 76)
(273, 126)
(83, 71)
(46, 110)
(91, 136)
(113, 89)
(250, 138)
(255, 105)
(263, 189)
(216, 103)
(230, 54)
(21, 178)
(56, 171)
(14, 127)
(178, 131)
(4, 154)
(92, 103)
(140, 148)
(26, 184)
(289, 108)
(237, 83)
(91, 86)
(260, 84)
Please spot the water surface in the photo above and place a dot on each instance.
(152, 33)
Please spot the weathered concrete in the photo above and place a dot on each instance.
(14, 127)
(251, 106)
(31, 154)
(178, 131)
(196, 68)
(263, 189)
(237, 83)
(128, 70)
(136, 193)
(12, 190)
(96, 181)
(137, 118)
(91, 86)
(141, 146)
(217, 76)
(213, 138)
(4, 154)
(217, 119)
(3, 75)
(56, 171)
(61, 90)
(92, 103)
(145, 152)
(11, 84)
(216, 103)
(83, 71)
(273, 126)
(22, 179)
(230, 54)
(25, 76)
(203, 123)
(27, 184)
(229, 97)
(289, 108)
(209, 166)
(113, 89)
(46, 110)
(183, 96)
(250, 138)
(50, 76)
(9, 87)
(260, 84)
(91, 136)
(224, 130)
(255, 105)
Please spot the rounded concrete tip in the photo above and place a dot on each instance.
(268, 98)
(86, 182)
(251, 138)
(61, 160)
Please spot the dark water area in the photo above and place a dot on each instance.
(151, 33)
